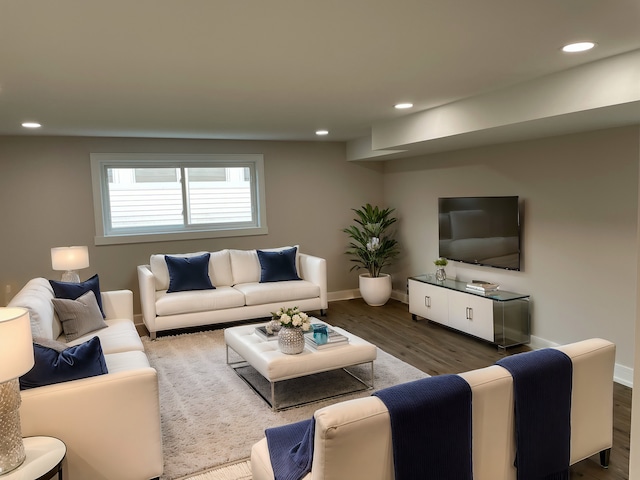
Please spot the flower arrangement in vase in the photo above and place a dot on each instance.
(293, 324)
(441, 274)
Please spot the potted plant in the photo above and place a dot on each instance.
(441, 274)
(373, 248)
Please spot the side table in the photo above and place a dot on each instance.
(43, 462)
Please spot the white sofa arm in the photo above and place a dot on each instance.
(591, 396)
(352, 440)
(118, 304)
(109, 423)
(147, 284)
(314, 270)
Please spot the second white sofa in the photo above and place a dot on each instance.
(239, 293)
(353, 438)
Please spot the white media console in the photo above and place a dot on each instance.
(499, 317)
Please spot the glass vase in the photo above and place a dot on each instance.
(441, 275)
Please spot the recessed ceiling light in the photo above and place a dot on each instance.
(578, 47)
(322, 132)
(31, 125)
(402, 106)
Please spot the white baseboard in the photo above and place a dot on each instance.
(355, 293)
(621, 374)
(343, 295)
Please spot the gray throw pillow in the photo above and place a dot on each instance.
(52, 344)
(79, 316)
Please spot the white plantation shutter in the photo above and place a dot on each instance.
(151, 194)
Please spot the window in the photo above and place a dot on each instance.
(158, 197)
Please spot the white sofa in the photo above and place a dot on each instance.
(238, 293)
(353, 438)
(110, 423)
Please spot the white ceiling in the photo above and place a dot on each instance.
(279, 69)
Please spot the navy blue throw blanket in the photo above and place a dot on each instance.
(542, 395)
(291, 449)
(430, 428)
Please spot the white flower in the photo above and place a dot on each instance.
(292, 318)
(373, 244)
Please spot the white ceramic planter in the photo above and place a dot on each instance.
(375, 290)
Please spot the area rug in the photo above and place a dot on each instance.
(210, 417)
(235, 471)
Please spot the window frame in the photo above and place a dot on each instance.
(100, 162)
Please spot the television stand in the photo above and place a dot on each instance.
(499, 317)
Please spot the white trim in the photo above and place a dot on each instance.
(621, 374)
(99, 161)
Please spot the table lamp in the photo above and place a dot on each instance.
(70, 259)
(16, 358)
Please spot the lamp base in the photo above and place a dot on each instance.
(70, 276)
(11, 447)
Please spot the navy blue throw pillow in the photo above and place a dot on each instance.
(72, 291)
(276, 266)
(52, 366)
(188, 273)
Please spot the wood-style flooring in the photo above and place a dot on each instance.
(438, 350)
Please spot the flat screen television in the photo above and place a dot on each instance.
(480, 230)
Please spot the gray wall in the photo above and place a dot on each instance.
(45, 187)
(580, 196)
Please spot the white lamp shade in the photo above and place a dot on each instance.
(16, 344)
(69, 258)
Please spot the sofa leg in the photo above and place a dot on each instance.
(323, 312)
(604, 458)
(152, 335)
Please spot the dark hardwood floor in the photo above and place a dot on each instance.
(437, 350)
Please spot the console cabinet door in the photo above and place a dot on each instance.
(481, 318)
(428, 302)
(471, 314)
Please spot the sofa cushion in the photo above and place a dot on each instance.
(219, 268)
(36, 297)
(198, 301)
(287, 291)
(80, 316)
(51, 366)
(121, 336)
(72, 290)
(125, 361)
(188, 273)
(278, 266)
(245, 265)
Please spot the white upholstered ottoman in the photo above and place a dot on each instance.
(275, 366)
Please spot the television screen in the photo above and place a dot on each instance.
(480, 230)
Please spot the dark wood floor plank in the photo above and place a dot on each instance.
(437, 350)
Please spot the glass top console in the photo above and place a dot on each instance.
(497, 316)
(499, 295)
